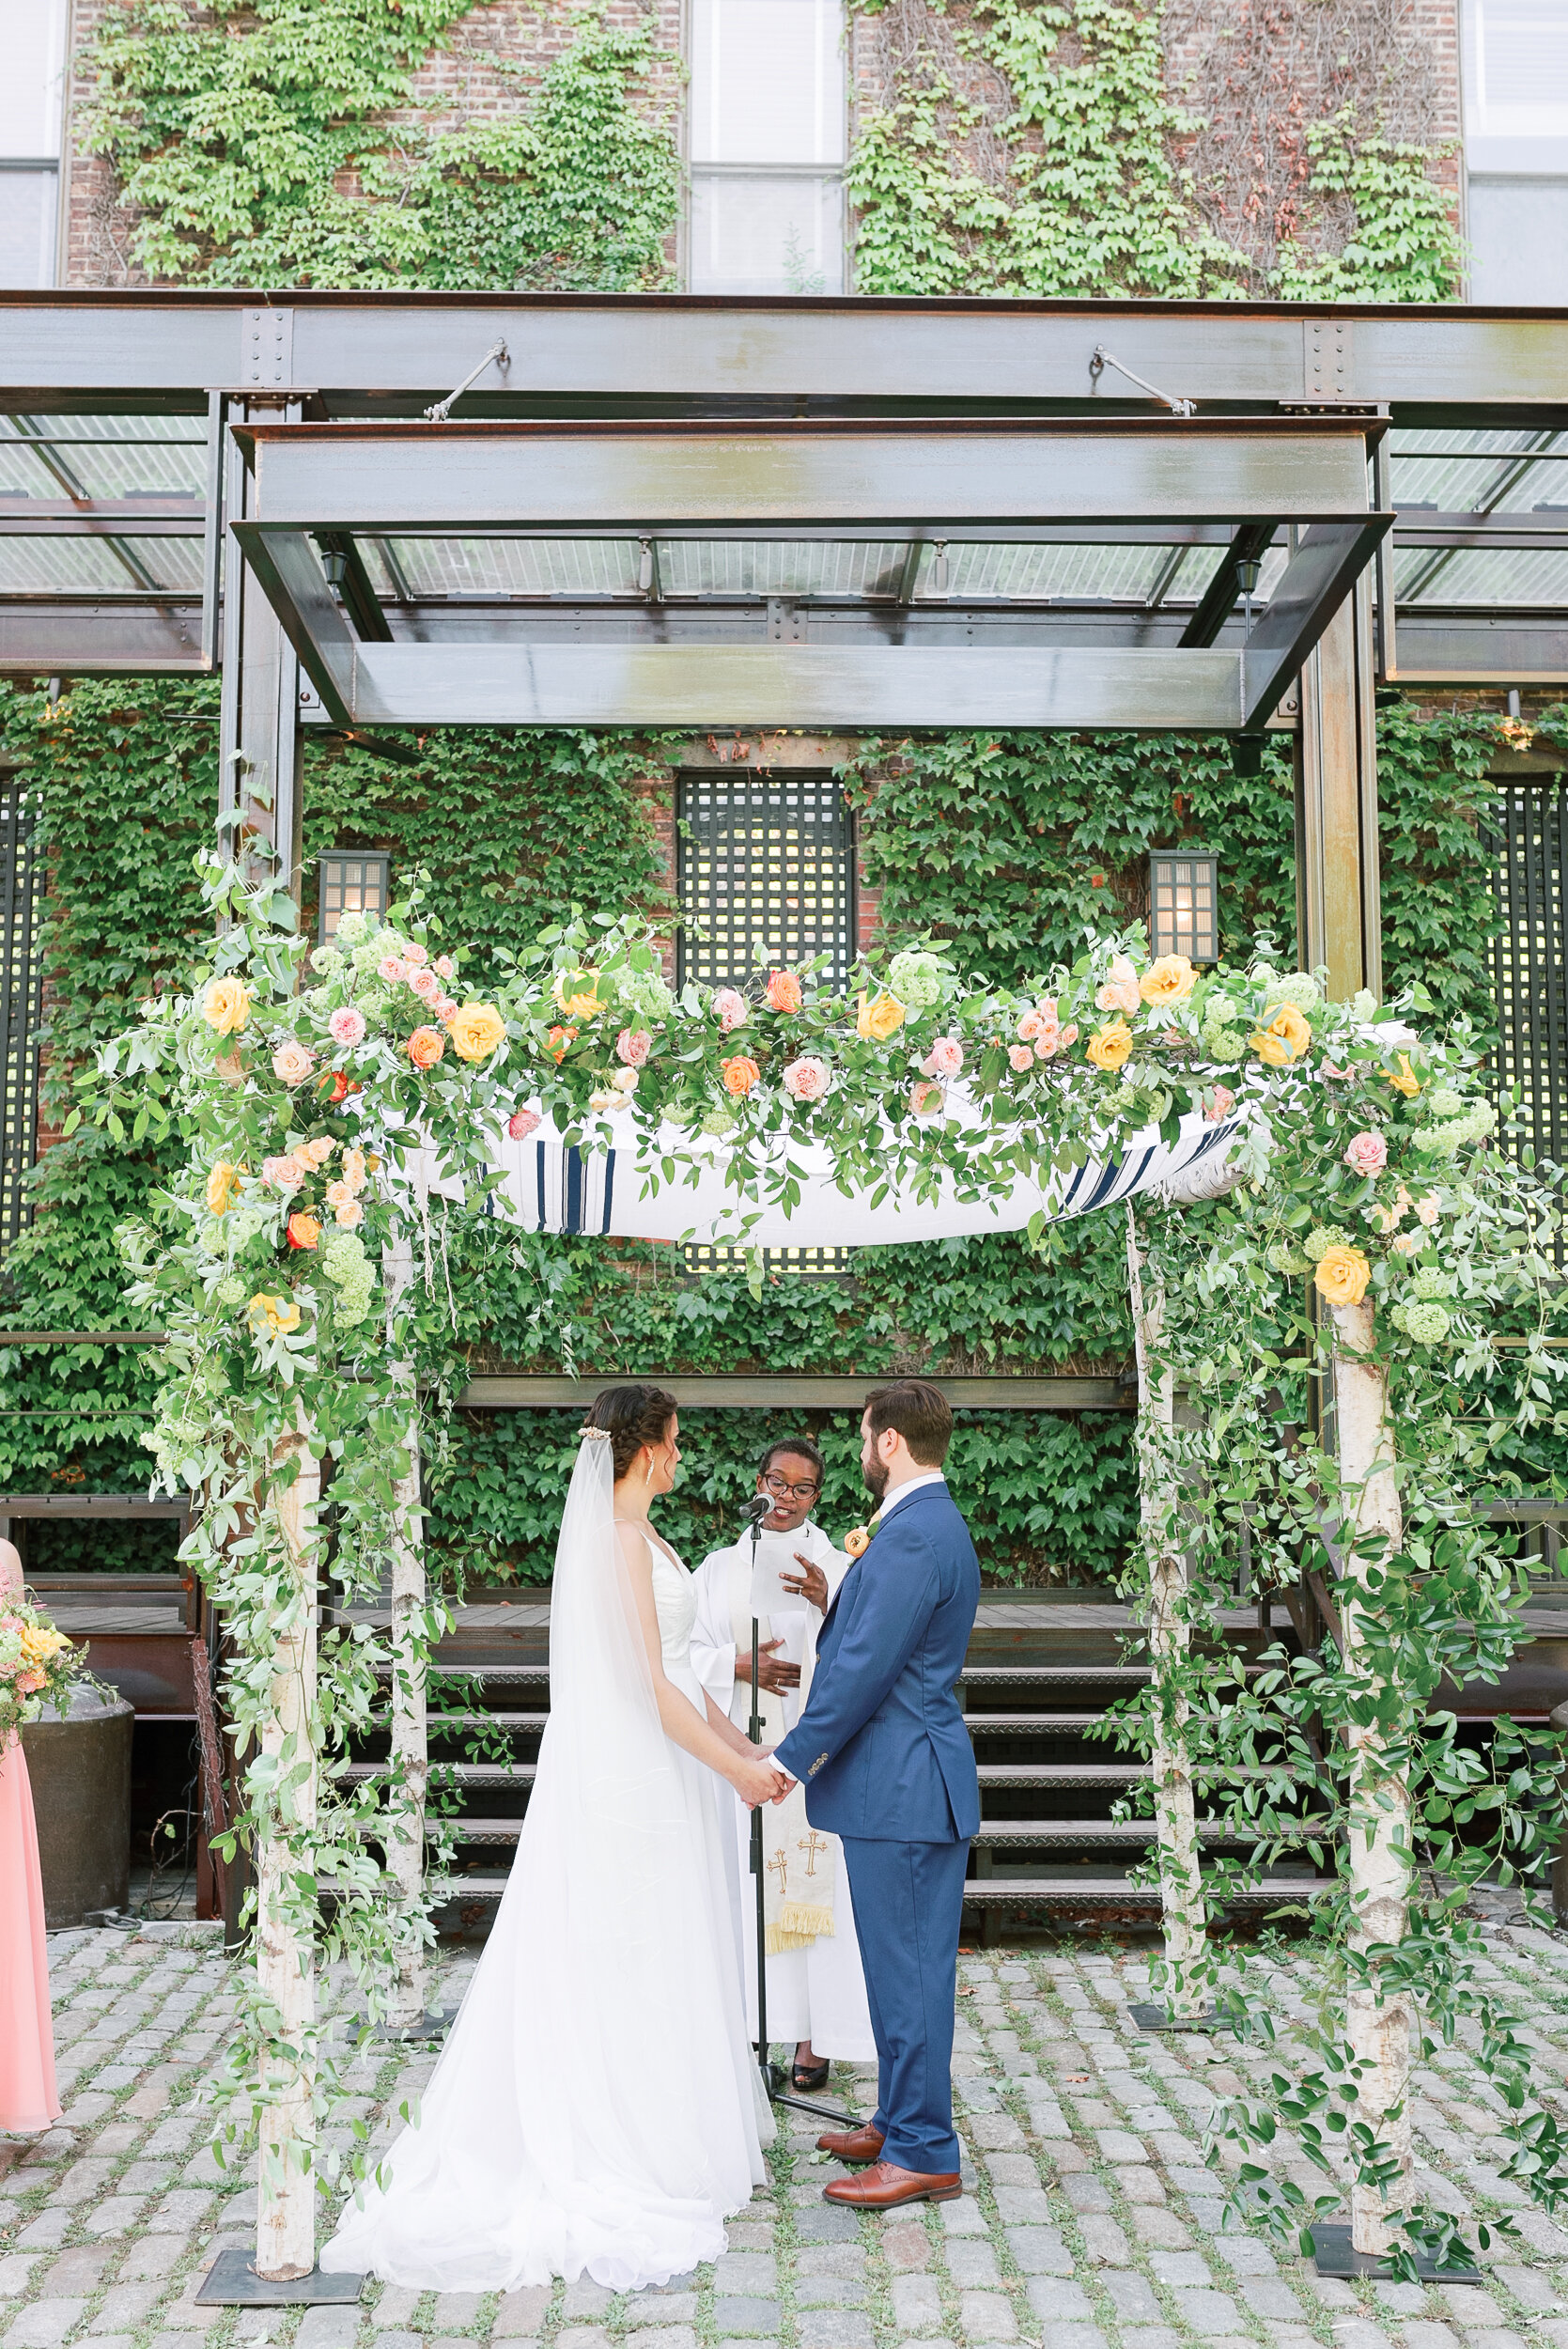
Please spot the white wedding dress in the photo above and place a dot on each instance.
(597, 2109)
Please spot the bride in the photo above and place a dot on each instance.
(597, 2107)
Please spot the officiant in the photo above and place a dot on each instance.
(815, 1987)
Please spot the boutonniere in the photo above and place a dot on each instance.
(857, 1540)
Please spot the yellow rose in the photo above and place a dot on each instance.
(40, 1642)
(476, 1031)
(1171, 980)
(1111, 1046)
(881, 1018)
(577, 992)
(222, 1188)
(227, 1005)
(274, 1313)
(1285, 1039)
(1404, 1081)
(1342, 1276)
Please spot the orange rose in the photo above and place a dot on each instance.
(338, 1087)
(557, 1043)
(882, 1017)
(476, 1031)
(1285, 1039)
(426, 1047)
(784, 991)
(1111, 1046)
(227, 1005)
(739, 1075)
(1171, 980)
(1342, 1276)
(304, 1230)
(857, 1541)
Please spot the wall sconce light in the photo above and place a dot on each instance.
(1184, 916)
(351, 882)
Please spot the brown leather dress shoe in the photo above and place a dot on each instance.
(860, 2144)
(884, 2185)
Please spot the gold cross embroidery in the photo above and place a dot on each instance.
(811, 1844)
(779, 1866)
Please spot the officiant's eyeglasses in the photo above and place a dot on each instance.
(781, 1486)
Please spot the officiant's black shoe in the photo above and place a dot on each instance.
(861, 2144)
(885, 2186)
(805, 2077)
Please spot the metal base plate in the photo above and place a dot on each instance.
(1336, 2257)
(434, 2024)
(1150, 2017)
(232, 2283)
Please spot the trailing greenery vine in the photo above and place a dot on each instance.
(1036, 150)
(285, 142)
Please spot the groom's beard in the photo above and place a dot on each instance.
(876, 1475)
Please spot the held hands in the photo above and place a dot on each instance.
(811, 1584)
(758, 1782)
(773, 1671)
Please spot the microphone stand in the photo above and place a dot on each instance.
(771, 2075)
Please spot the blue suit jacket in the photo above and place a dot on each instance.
(881, 1747)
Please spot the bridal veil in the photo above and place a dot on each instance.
(595, 2109)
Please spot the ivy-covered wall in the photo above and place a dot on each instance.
(1006, 844)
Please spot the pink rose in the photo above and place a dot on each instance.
(445, 1009)
(1428, 1210)
(315, 1152)
(730, 1004)
(281, 1174)
(413, 956)
(945, 1058)
(1366, 1153)
(349, 1214)
(1221, 1103)
(1121, 991)
(426, 985)
(347, 1025)
(634, 1045)
(521, 1124)
(1020, 1057)
(806, 1078)
(392, 969)
(1048, 1042)
(1029, 1027)
(339, 1194)
(1069, 1033)
(1329, 1070)
(445, 967)
(927, 1100)
(292, 1063)
(1046, 1010)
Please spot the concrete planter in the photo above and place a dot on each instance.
(79, 1762)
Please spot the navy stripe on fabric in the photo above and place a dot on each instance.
(609, 1188)
(574, 1192)
(540, 1182)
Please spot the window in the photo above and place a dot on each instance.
(33, 44)
(766, 871)
(766, 147)
(351, 882)
(21, 991)
(1515, 84)
(1530, 958)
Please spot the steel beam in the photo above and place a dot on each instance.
(1337, 888)
(77, 635)
(138, 349)
(648, 478)
(260, 767)
(1329, 558)
(774, 685)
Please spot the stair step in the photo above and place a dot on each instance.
(990, 1774)
(995, 1834)
(1064, 1891)
(979, 1724)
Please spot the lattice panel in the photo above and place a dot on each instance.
(810, 1263)
(20, 1006)
(1530, 957)
(766, 876)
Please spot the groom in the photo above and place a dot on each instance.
(887, 1768)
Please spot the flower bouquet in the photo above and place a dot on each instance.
(37, 1664)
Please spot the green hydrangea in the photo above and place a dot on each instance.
(328, 960)
(343, 1257)
(230, 1290)
(1430, 1282)
(919, 979)
(1296, 986)
(646, 993)
(1321, 1239)
(1423, 1322)
(1442, 1101)
(1286, 1259)
(719, 1122)
(1226, 1046)
(1363, 1003)
(368, 953)
(353, 929)
(1456, 1133)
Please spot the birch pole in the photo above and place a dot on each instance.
(410, 1754)
(1378, 2024)
(285, 1956)
(1181, 1892)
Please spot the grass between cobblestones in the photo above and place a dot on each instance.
(1089, 2221)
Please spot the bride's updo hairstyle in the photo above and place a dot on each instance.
(631, 1417)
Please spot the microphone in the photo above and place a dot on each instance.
(757, 1509)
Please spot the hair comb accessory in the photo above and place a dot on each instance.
(595, 1435)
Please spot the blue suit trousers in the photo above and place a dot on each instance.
(908, 1908)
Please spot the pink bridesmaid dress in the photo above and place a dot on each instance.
(28, 2098)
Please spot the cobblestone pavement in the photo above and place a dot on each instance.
(1088, 2222)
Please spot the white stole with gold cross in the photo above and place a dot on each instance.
(800, 1861)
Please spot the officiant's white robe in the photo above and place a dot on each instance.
(816, 1993)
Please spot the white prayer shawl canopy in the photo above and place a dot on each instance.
(547, 1187)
